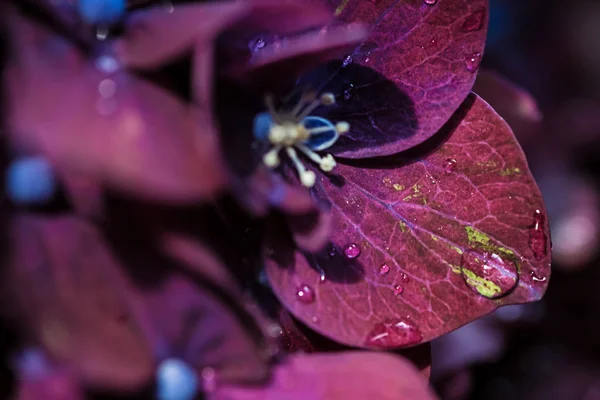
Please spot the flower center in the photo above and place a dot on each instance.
(296, 130)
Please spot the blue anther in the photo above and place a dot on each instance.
(323, 140)
(176, 380)
(98, 12)
(30, 180)
(262, 125)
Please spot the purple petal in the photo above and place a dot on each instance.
(407, 79)
(104, 123)
(348, 376)
(421, 246)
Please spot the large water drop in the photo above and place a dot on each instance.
(393, 333)
(488, 274)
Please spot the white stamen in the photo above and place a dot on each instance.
(342, 127)
(307, 177)
(270, 103)
(326, 163)
(288, 131)
(307, 98)
(325, 99)
(271, 159)
(277, 134)
(320, 129)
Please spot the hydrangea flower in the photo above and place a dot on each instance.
(395, 205)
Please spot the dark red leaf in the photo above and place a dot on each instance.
(421, 246)
(428, 51)
(348, 376)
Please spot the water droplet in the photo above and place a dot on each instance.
(102, 32)
(474, 22)
(348, 92)
(256, 44)
(107, 64)
(449, 166)
(175, 380)
(305, 294)
(332, 251)
(398, 290)
(33, 364)
(209, 382)
(537, 278)
(315, 320)
(430, 2)
(322, 275)
(488, 274)
(384, 269)
(274, 330)
(472, 62)
(404, 277)
(537, 236)
(347, 61)
(168, 6)
(394, 333)
(107, 88)
(351, 251)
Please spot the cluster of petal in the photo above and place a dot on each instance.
(143, 261)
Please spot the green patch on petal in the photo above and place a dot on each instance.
(510, 171)
(485, 287)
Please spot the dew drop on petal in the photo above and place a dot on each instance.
(474, 22)
(384, 269)
(102, 32)
(537, 236)
(175, 380)
(168, 6)
(449, 166)
(274, 330)
(430, 2)
(107, 64)
(352, 251)
(536, 278)
(332, 251)
(398, 290)
(209, 381)
(472, 62)
(107, 88)
(404, 277)
(347, 61)
(348, 92)
(393, 333)
(305, 294)
(256, 44)
(488, 274)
